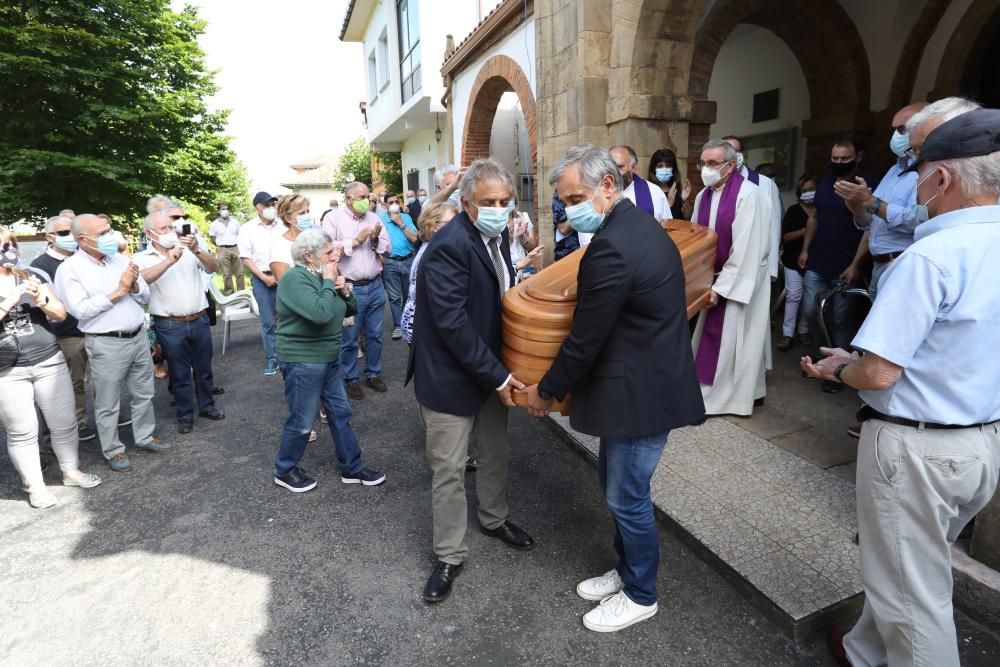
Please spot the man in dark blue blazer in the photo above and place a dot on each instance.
(627, 363)
(459, 380)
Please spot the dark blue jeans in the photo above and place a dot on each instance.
(812, 284)
(624, 468)
(267, 299)
(371, 311)
(306, 386)
(396, 278)
(187, 347)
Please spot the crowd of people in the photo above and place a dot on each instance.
(928, 229)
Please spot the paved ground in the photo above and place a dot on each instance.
(196, 557)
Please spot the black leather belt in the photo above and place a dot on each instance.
(362, 283)
(888, 257)
(224, 246)
(869, 412)
(119, 334)
(401, 259)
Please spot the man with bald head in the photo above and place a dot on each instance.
(637, 189)
(103, 291)
(889, 213)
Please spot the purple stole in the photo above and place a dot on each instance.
(753, 177)
(707, 359)
(643, 199)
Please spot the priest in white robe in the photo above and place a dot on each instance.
(771, 208)
(731, 336)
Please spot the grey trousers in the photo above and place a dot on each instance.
(75, 351)
(448, 439)
(46, 384)
(916, 489)
(116, 363)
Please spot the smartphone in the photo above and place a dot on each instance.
(186, 229)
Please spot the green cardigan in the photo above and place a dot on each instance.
(310, 316)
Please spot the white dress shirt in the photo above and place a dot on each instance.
(180, 290)
(506, 269)
(83, 284)
(255, 243)
(226, 232)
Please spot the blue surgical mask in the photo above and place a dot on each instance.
(583, 217)
(492, 220)
(422, 199)
(67, 243)
(900, 143)
(664, 174)
(920, 210)
(304, 222)
(453, 197)
(411, 200)
(107, 244)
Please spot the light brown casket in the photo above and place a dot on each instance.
(538, 313)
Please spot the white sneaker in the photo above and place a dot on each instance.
(616, 612)
(397, 333)
(598, 588)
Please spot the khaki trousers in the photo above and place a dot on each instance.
(230, 265)
(75, 351)
(447, 447)
(916, 488)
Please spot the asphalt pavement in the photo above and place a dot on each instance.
(196, 557)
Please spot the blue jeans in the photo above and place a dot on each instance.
(306, 386)
(187, 347)
(396, 278)
(371, 310)
(813, 284)
(624, 468)
(267, 299)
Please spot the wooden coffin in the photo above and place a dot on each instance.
(538, 313)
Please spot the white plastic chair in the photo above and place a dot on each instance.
(233, 308)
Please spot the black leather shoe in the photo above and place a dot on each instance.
(184, 426)
(218, 390)
(212, 414)
(439, 584)
(511, 534)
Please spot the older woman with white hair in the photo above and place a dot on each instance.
(312, 301)
(33, 371)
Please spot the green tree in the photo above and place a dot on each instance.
(390, 170)
(356, 160)
(104, 104)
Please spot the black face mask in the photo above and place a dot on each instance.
(841, 169)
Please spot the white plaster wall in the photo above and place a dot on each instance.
(509, 141)
(384, 102)
(423, 153)
(520, 47)
(934, 51)
(734, 84)
(319, 198)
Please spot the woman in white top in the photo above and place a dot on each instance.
(524, 245)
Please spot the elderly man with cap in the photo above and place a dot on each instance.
(929, 454)
(103, 291)
(254, 244)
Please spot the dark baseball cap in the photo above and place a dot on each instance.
(262, 198)
(971, 134)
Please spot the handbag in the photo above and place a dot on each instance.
(10, 350)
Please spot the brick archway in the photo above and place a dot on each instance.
(965, 46)
(829, 50)
(901, 91)
(498, 75)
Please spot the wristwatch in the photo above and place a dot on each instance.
(840, 369)
(873, 207)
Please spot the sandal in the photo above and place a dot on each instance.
(160, 374)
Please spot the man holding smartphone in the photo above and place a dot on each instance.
(174, 266)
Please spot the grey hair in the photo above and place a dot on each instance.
(352, 186)
(443, 171)
(311, 241)
(485, 169)
(978, 175)
(726, 147)
(594, 164)
(159, 203)
(51, 222)
(943, 110)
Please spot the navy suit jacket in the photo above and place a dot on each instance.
(627, 360)
(455, 356)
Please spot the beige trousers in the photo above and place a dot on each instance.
(448, 439)
(75, 351)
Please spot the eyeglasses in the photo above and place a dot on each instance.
(712, 164)
(178, 217)
(901, 129)
(63, 232)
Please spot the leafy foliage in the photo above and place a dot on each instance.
(390, 170)
(357, 160)
(104, 104)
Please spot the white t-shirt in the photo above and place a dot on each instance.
(281, 248)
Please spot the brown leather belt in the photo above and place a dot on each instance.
(882, 259)
(362, 283)
(180, 318)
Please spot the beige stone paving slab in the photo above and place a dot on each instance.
(818, 448)
(768, 422)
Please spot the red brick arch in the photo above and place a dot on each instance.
(965, 47)
(498, 75)
(901, 91)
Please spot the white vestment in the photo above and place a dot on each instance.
(661, 207)
(745, 284)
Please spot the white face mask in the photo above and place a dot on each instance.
(711, 177)
(168, 240)
(270, 212)
(224, 213)
(739, 161)
(394, 208)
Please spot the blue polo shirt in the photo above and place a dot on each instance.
(898, 190)
(938, 316)
(837, 237)
(401, 246)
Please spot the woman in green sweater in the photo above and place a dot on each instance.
(312, 302)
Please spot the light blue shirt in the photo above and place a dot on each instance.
(401, 246)
(899, 192)
(938, 316)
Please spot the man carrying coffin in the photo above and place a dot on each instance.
(730, 339)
